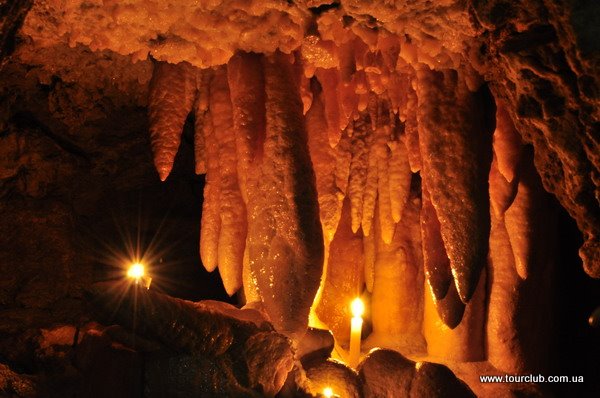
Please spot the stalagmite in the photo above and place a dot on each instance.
(285, 250)
(520, 316)
(435, 260)
(396, 303)
(210, 224)
(523, 219)
(323, 157)
(465, 342)
(246, 85)
(232, 210)
(456, 169)
(171, 99)
(344, 279)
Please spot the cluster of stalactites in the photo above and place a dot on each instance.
(355, 121)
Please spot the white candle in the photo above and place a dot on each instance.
(355, 332)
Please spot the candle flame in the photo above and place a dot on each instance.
(328, 392)
(358, 307)
(136, 271)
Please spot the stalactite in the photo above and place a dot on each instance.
(360, 143)
(246, 84)
(329, 79)
(199, 143)
(210, 224)
(384, 201)
(400, 177)
(323, 157)
(343, 159)
(200, 109)
(455, 170)
(232, 210)
(523, 219)
(370, 252)
(171, 99)
(502, 192)
(507, 144)
(285, 251)
(411, 131)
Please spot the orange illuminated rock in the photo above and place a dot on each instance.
(435, 259)
(462, 343)
(285, 250)
(397, 300)
(247, 88)
(232, 210)
(524, 218)
(456, 169)
(323, 158)
(210, 224)
(171, 98)
(344, 278)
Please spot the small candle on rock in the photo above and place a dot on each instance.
(358, 309)
(137, 272)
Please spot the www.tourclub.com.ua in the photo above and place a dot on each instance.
(529, 379)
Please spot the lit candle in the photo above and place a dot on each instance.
(355, 332)
(136, 272)
(328, 392)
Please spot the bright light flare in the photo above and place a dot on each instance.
(136, 271)
(328, 392)
(358, 307)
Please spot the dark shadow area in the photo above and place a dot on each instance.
(577, 296)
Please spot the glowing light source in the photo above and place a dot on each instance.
(328, 392)
(136, 271)
(358, 308)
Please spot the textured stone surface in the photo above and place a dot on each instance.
(539, 58)
(386, 373)
(236, 353)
